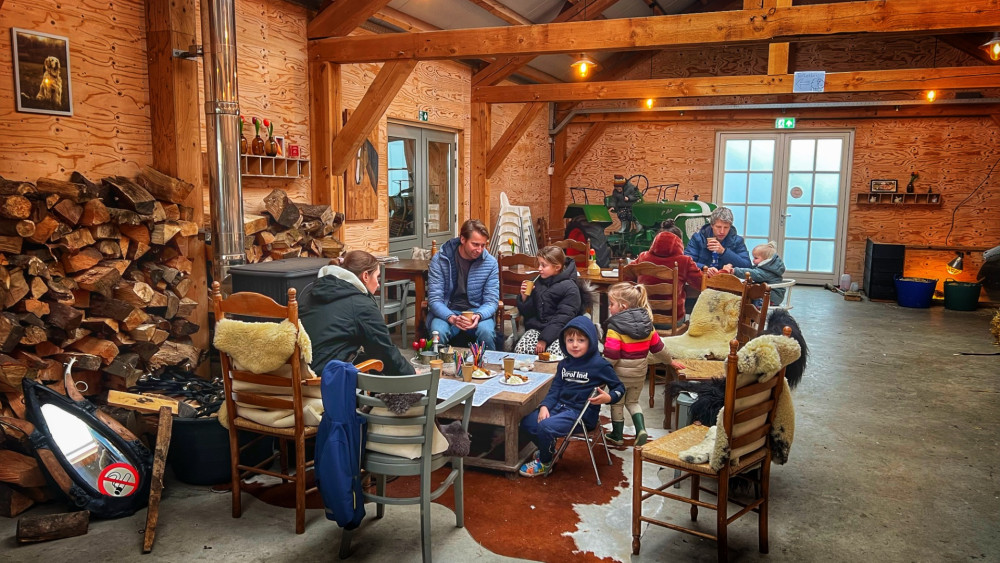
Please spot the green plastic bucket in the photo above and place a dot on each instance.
(961, 296)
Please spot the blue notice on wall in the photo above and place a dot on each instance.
(809, 81)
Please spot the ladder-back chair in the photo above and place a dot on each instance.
(582, 247)
(664, 300)
(514, 269)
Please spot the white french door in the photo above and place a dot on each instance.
(791, 188)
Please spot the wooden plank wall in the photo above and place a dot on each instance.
(108, 132)
(524, 173)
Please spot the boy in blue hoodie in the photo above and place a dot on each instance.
(577, 376)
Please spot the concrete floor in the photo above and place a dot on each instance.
(895, 458)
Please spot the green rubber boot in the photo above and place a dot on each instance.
(616, 437)
(640, 429)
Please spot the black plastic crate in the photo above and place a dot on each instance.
(274, 278)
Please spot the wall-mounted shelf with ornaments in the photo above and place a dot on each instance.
(898, 199)
(273, 166)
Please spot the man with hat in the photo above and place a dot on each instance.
(622, 198)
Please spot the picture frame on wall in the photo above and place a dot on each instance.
(280, 141)
(42, 80)
(884, 186)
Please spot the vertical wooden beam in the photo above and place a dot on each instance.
(383, 89)
(324, 126)
(175, 121)
(479, 190)
(777, 53)
(511, 136)
(557, 181)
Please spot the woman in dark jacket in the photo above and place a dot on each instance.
(343, 320)
(555, 299)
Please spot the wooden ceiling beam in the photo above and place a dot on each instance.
(581, 148)
(522, 121)
(502, 12)
(656, 32)
(503, 67)
(383, 90)
(403, 21)
(862, 81)
(707, 113)
(342, 17)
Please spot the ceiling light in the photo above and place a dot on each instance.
(583, 65)
(649, 103)
(992, 47)
(931, 95)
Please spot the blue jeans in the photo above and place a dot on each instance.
(545, 433)
(484, 331)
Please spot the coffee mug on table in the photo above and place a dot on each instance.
(467, 370)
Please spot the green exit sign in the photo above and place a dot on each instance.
(784, 123)
(423, 115)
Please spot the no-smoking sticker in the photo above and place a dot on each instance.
(118, 480)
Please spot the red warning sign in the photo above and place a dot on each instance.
(118, 480)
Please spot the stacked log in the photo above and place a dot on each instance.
(288, 230)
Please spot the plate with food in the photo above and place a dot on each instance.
(481, 373)
(514, 379)
(547, 358)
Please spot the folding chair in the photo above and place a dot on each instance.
(579, 432)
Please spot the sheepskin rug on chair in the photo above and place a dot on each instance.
(714, 320)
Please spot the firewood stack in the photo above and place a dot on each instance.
(96, 271)
(289, 230)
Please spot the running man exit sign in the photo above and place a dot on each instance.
(784, 123)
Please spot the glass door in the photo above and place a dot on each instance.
(422, 187)
(790, 188)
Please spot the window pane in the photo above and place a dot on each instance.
(797, 221)
(737, 154)
(734, 188)
(438, 183)
(821, 256)
(402, 198)
(801, 153)
(758, 221)
(739, 217)
(804, 181)
(828, 154)
(762, 155)
(751, 243)
(760, 188)
(794, 254)
(824, 222)
(827, 189)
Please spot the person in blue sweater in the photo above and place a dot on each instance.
(718, 243)
(464, 278)
(578, 381)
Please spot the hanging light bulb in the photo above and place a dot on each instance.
(649, 103)
(955, 266)
(931, 95)
(583, 66)
(992, 47)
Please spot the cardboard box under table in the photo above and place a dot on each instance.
(505, 411)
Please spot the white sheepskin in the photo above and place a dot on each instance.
(714, 320)
(260, 347)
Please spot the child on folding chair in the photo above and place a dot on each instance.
(630, 338)
(577, 375)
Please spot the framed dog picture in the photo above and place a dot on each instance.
(883, 186)
(41, 72)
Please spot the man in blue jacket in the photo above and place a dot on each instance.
(720, 238)
(464, 278)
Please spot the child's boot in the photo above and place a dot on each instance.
(640, 429)
(616, 437)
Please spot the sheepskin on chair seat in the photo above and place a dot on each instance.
(714, 321)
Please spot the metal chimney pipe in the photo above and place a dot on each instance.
(222, 113)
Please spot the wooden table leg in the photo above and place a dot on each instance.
(420, 294)
(512, 432)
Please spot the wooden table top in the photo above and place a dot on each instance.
(511, 397)
(408, 265)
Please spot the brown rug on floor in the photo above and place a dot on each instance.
(526, 517)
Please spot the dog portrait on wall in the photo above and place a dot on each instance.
(41, 72)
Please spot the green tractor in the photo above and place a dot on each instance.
(648, 212)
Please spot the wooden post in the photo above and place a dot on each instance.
(479, 196)
(156, 485)
(174, 111)
(557, 181)
(325, 108)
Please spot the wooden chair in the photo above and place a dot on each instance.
(393, 300)
(257, 305)
(664, 300)
(722, 282)
(748, 415)
(382, 465)
(570, 244)
(510, 288)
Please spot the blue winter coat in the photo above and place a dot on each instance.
(483, 287)
(576, 377)
(340, 444)
(735, 254)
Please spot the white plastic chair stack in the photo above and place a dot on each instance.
(513, 223)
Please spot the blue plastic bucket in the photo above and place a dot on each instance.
(915, 292)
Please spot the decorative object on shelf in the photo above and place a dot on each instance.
(281, 145)
(257, 145)
(270, 145)
(897, 199)
(933, 198)
(244, 145)
(873, 198)
(293, 151)
(884, 186)
(41, 72)
(909, 186)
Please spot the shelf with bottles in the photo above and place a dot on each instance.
(273, 166)
(898, 199)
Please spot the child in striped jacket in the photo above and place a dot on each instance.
(630, 338)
